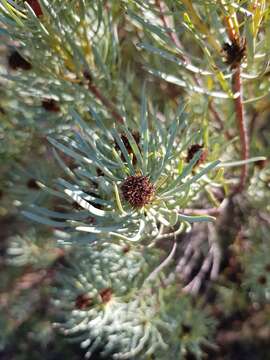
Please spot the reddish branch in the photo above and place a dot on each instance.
(201, 212)
(236, 50)
(239, 112)
(111, 108)
(219, 120)
(166, 24)
(96, 92)
(31, 279)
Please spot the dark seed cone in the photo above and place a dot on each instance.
(106, 295)
(83, 302)
(32, 184)
(262, 280)
(193, 150)
(35, 7)
(124, 138)
(50, 105)
(235, 52)
(267, 268)
(16, 61)
(138, 191)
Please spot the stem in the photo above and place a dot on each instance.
(96, 92)
(232, 33)
(219, 120)
(166, 24)
(232, 29)
(164, 263)
(211, 211)
(111, 108)
(240, 118)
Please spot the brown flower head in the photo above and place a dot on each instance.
(138, 190)
(83, 301)
(50, 105)
(262, 280)
(261, 164)
(34, 4)
(128, 147)
(16, 61)
(106, 295)
(235, 52)
(33, 184)
(192, 150)
(267, 268)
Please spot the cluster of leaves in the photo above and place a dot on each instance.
(107, 309)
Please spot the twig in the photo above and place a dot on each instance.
(210, 211)
(234, 37)
(215, 250)
(184, 260)
(191, 264)
(210, 264)
(194, 285)
(219, 120)
(32, 279)
(96, 92)
(166, 24)
(239, 110)
(164, 263)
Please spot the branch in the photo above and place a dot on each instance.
(232, 29)
(210, 264)
(210, 211)
(96, 92)
(164, 263)
(219, 120)
(166, 24)
(239, 111)
(32, 279)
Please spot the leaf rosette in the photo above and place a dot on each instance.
(127, 185)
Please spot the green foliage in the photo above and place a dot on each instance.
(105, 304)
(160, 158)
(31, 248)
(200, 24)
(256, 262)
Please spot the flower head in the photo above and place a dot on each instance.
(137, 190)
(103, 300)
(235, 52)
(121, 197)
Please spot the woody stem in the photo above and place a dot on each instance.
(240, 118)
